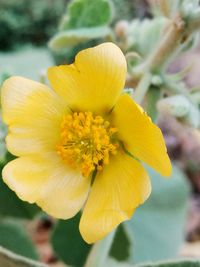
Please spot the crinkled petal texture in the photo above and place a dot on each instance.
(118, 189)
(57, 189)
(33, 113)
(95, 80)
(140, 136)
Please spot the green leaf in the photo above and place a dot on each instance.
(68, 243)
(3, 151)
(12, 206)
(177, 106)
(70, 38)
(145, 34)
(9, 259)
(178, 263)
(120, 248)
(14, 238)
(3, 76)
(87, 13)
(157, 227)
(3, 132)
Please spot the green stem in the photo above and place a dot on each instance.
(142, 87)
(153, 96)
(166, 47)
(100, 251)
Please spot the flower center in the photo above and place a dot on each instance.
(87, 141)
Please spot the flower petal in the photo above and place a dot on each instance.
(117, 191)
(46, 180)
(140, 136)
(94, 82)
(33, 113)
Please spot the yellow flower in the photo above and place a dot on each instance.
(72, 142)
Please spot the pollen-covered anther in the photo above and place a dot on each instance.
(87, 141)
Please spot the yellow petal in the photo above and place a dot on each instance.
(33, 113)
(46, 180)
(94, 82)
(117, 191)
(140, 136)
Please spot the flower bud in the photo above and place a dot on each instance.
(121, 28)
(177, 106)
(156, 80)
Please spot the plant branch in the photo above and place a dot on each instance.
(168, 45)
(142, 87)
(176, 34)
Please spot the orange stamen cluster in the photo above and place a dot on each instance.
(86, 141)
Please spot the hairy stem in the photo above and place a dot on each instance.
(142, 87)
(176, 34)
(167, 46)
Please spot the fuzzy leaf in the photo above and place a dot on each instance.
(87, 13)
(178, 263)
(177, 106)
(157, 227)
(145, 34)
(14, 238)
(10, 259)
(70, 38)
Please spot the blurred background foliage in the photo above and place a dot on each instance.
(28, 21)
(35, 34)
(35, 21)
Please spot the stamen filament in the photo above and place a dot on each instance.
(87, 141)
